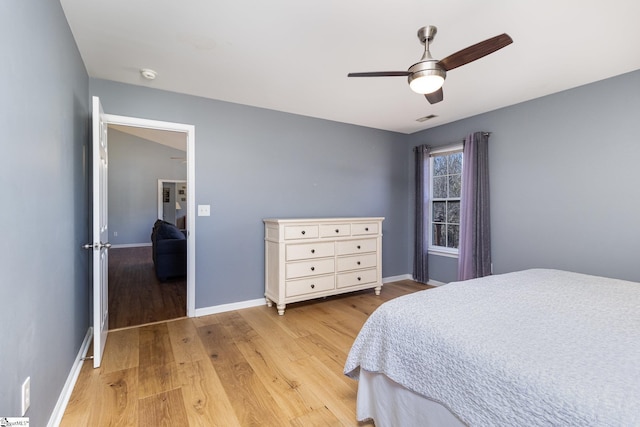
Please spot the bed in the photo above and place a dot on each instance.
(530, 348)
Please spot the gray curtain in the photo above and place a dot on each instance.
(421, 246)
(475, 229)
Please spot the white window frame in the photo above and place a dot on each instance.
(440, 250)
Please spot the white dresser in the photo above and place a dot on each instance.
(312, 258)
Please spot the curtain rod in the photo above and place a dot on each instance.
(456, 142)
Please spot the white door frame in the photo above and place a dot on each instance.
(190, 132)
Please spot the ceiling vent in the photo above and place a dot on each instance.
(425, 118)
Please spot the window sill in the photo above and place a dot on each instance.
(443, 252)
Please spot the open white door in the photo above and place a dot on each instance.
(100, 246)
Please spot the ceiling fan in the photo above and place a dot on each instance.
(184, 159)
(427, 76)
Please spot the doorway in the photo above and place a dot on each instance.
(132, 254)
(172, 197)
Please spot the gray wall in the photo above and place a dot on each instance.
(135, 165)
(564, 179)
(254, 163)
(44, 110)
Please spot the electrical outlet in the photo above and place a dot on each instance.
(115, 234)
(26, 395)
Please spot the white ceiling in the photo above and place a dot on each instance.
(294, 56)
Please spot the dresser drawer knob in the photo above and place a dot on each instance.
(313, 268)
(359, 278)
(337, 230)
(313, 251)
(366, 229)
(358, 246)
(303, 232)
(313, 286)
(358, 263)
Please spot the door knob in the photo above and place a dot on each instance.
(97, 245)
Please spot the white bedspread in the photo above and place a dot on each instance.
(532, 348)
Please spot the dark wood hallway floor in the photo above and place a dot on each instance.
(136, 296)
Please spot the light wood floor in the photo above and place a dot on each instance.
(248, 367)
(136, 296)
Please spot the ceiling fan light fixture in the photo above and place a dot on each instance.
(426, 81)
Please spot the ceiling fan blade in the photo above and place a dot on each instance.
(435, 97)
(380, 74)
(475, 51)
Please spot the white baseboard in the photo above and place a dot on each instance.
(397, 278)
(131, 245)
(230, 307)
(410, 277)
(65, 395)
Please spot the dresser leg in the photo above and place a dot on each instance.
(377, 289)
(269, 303)
(281, 309)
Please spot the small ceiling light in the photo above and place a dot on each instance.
(148, 73)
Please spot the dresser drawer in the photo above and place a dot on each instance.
(335, 230)
(349, 247)
(300, 232)
(354, 278)
(357, 261)
(310, 268)
(365, 228)
(309, 250)
(309, 286)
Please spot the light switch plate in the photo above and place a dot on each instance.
(204, 210)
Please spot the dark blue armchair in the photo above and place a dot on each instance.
(169, 250)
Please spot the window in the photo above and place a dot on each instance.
(445, 185)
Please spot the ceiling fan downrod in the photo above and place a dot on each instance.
(426, 36)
